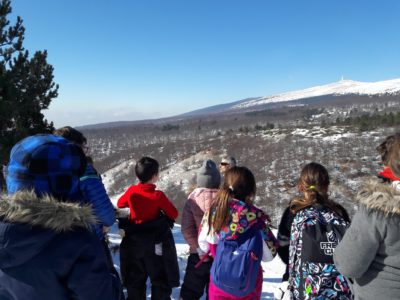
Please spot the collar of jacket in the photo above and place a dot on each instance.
(198, 191)
(380, 197)
(26, 207)
(146, 186)
(388, 174)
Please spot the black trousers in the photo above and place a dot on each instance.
(136, 270)
(110, 264)
(196, 279)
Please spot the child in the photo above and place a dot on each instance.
(148, 249)
(232, 216)
(199, 201)
(46, 248)
(318, 226)
(370, 250)
(91, 187)
(93, 192)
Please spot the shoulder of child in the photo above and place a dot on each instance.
(307, 214)
(130, 189)
(160, 194)
(259, 212)
(196, 192)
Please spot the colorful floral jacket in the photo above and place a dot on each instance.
(243, 217)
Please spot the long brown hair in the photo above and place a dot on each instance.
(314, 182)
(386, 147)
(239, 183)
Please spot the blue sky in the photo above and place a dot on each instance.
(131, 59)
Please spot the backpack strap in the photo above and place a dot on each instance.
(202, 259)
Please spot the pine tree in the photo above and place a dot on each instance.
(26, 86)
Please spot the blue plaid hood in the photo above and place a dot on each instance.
(46, 164)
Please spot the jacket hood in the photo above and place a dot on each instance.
(28, 223)
(47, 212)
(202, 190)
(378, 196)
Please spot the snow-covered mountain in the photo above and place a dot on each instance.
(327, 92)
(340, 88)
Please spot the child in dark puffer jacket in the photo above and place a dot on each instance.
(46, 248)
(91, 188)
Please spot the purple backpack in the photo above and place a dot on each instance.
(237, 262)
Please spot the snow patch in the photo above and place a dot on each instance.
(108, 177)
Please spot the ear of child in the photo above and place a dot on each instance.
(154, 178)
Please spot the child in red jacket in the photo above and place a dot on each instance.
(142, 246)
(144, 201)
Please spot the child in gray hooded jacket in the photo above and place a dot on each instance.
(370, 250)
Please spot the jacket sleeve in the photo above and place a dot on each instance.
(99, 283)
(204, 246)
(270, 240)
(284, 235)
(359, 245)
(168, 208)
(188, 223)
(123, 201)
(94, 192)
(207, 238)
(267, 253)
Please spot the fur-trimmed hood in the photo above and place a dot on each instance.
(29, 223)
(26, 208)
(378, 196)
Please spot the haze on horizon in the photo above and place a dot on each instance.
(148, 59)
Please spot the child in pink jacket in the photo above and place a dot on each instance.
(199, 201)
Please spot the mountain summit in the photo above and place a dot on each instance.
(342, 87)
(335, 89)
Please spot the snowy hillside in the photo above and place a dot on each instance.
(179, 173)
(274, 156)
(272, 270)
(342, 87)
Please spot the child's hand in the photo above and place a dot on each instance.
(200, 252)
(207, 258)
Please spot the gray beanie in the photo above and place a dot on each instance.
(208, 175)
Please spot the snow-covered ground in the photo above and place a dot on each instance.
(272, 270)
